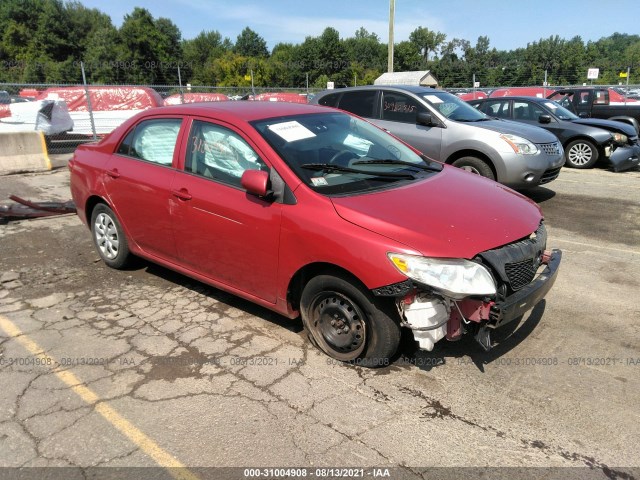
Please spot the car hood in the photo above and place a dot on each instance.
(530, 132)
(453, 214)
(611, 125)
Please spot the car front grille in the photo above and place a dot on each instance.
(550, 175)
(515, 264)
(551, 148)
(521, 273)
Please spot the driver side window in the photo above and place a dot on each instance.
(220, 154)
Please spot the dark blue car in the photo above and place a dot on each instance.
(585, 140)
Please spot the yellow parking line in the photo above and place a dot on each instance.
(164, 459)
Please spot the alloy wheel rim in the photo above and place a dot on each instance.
(471, 169)
(580, 154)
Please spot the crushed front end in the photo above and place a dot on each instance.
(522, 273)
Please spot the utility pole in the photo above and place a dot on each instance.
(627, 91)
(392, 10)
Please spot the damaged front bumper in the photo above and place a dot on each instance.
(433, 317)
(625, 158)
(517, 304)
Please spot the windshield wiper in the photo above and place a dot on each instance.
(471, 120)
(435, 168)
(329, 167)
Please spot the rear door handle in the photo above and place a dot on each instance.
(113, 173)
(182, 194)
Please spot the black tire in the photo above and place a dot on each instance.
(475, 165)
(369, 335)
(581, 153)
(109, 238)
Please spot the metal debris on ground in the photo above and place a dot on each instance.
(24, 209)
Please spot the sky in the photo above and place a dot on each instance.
(509, 24)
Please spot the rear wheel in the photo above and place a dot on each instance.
(347, 323)
(581, 154)
(109, 238)
(475, 165)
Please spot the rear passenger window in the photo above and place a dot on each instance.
(497, 108)
(397, 107)
(360, 103)
(152, 140)
(329, 100)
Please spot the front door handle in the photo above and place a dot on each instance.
(114, 173)
(182, 194)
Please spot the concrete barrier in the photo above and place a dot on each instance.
(23, 152)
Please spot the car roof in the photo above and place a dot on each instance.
(406, 88)
(512, 97)
(241, 110)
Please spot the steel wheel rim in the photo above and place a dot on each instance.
(106, 234)
(580, 154)
(338, 325)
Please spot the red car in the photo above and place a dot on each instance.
(313, 212)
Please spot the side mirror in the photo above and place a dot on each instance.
(583, 115)
(544, 118)
(424, 118)
(256, 183)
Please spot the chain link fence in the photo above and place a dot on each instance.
(71, 114)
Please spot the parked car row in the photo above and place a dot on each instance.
(443, 127)
(449, 130)
(585, 140)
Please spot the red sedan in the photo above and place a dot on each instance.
(313, 212)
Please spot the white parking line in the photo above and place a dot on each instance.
(637, 187)
(591, 245)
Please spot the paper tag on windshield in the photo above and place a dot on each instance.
(319, 181)
(291, 131)
(433, 99)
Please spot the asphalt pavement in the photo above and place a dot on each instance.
(148, 368)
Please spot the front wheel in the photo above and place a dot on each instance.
(581, 154)
(475, 165)
(347, 323)
(109, 238)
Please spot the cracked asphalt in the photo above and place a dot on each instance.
(148, 368)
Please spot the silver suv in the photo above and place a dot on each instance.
(448, 129)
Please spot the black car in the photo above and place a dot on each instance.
(585, 140)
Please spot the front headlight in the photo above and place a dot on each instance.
(520, 145)
(454, 277)
(620, 138)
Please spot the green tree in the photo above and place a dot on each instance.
(153, 46)
(406, 57)
(283, 68)
(427, 41)
(199, 54)
(250, 44)
(333, 60)
(104, 56)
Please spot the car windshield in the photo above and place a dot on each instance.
(453, 108)
(335, 153)
(559, 111)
